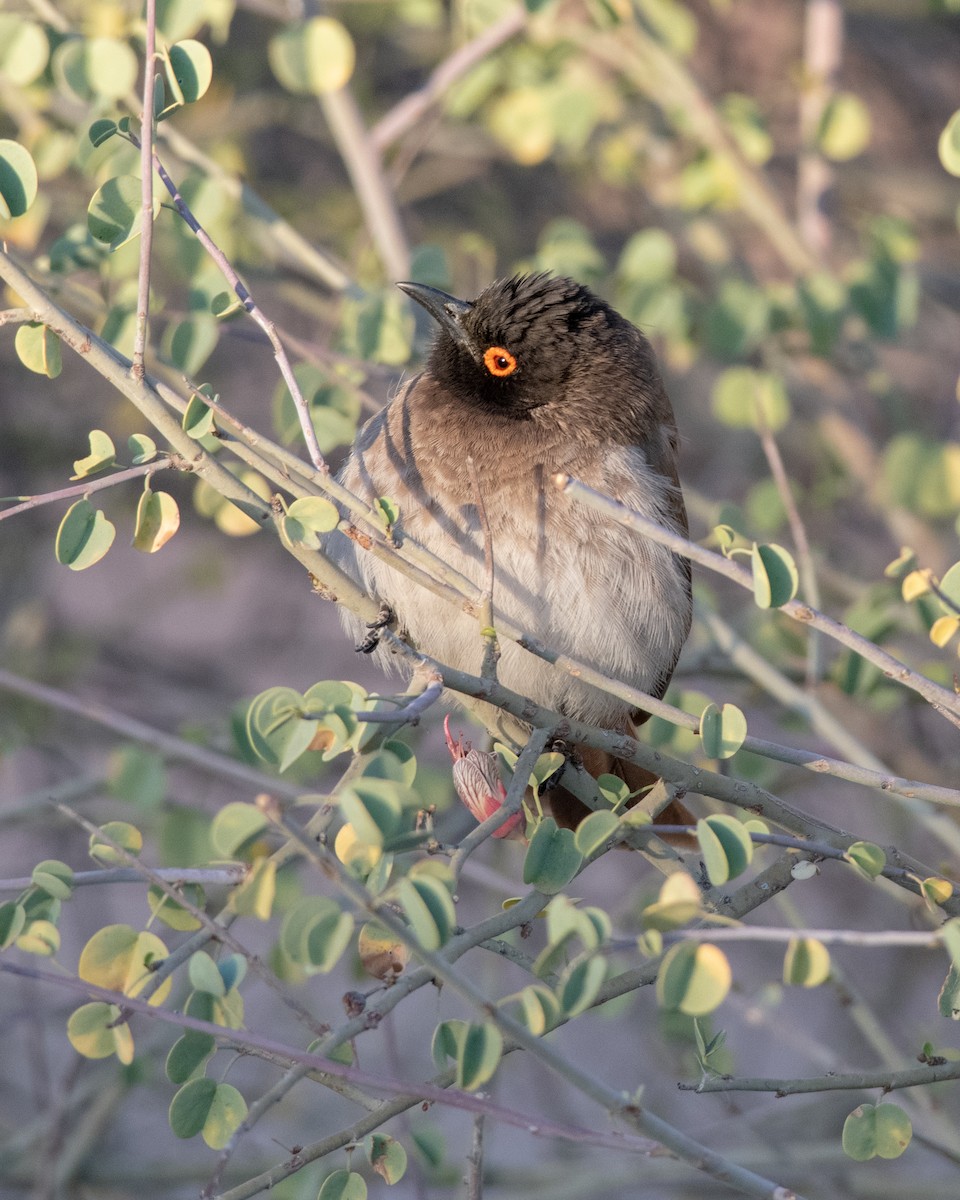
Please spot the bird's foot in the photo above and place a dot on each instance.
(372, 640)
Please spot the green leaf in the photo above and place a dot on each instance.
(13, 917)
(121, 959)
(479, 1050)
(429, 908)
(315, 57)
(204, 975)
(806, 963)
(775, 577)
(595, 830)
(38, 348)
(115, 213)
(158, 519)
(95, 66)
(552, 858)
(747, 399)
(649, 257)
(722, 730)
(679, 902)
(276, 727)
(102, 454)
(189, 70)
(867, 858)
(188, 1054)
(128, 837)
(190, 342)
(93, 1032)
(307, 517)
(236, 824)
(948, 1001)
(315, 933)
(373, 808)
(40, 937)
(84, 537)
(18, 179)
(53, 877)
(580, 983)
(334, 409)
(174, 915)
(726, 846)
(386, 1155)
(143, 449)
(876, 1131)
(694, 978)
(255, 896)
(844, 127)
(198, 419)
(935, 892)
(949, 145)
(24, 49)
(102, 131)
(214, 1110)
(343, 1185)
(540, 1009)
(950, 932)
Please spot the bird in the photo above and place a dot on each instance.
(536, 376)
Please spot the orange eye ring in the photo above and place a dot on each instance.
(499, 362)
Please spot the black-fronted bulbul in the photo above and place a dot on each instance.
(534, 377)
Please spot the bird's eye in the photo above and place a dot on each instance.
(499, 362)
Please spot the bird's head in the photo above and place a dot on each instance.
(525, 343)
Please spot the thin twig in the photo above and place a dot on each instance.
(268, 327)
(801, 543)
(887, 1080)
(822, 56)
(216, 876)
(409, 111)
(892, 667)
(369, 182)
(147, 136)
(474, 1179)
(165, 463)
(408, 713)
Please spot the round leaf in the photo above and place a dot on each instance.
(594, 831)
(24, 49)
(204, 976)
(478, 1055)
(277, 731)
(429, 909)
(84, 537)
(188, 1055)
(18, 179)
(679, 902)
(315, 57)
(844, 128)
(119, 958)
(40, 937)
(580, 984)
(386, 1155)
(93, 1033)
(694, 978)
(158, 519)
(775, 577)
(722, 730)
(38, 348)
(314, 515)
(128, 837)
(190, 1107)
(949, 145)
(726, 846)
(382, 954)
(198, 418)
(190, 69)
(552, 858)
(343, 1185)
(867, 858)
(143, 449)
(13, 917)
(876, 1131)
(53, 877)
(114, 215)
(235, 825)
(806, 963)
(102, 454)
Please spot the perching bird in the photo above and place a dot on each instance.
(536, 376)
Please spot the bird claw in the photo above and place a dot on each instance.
(372, 640)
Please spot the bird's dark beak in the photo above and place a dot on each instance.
(447, 311)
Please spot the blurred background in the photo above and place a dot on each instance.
(756, 183)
